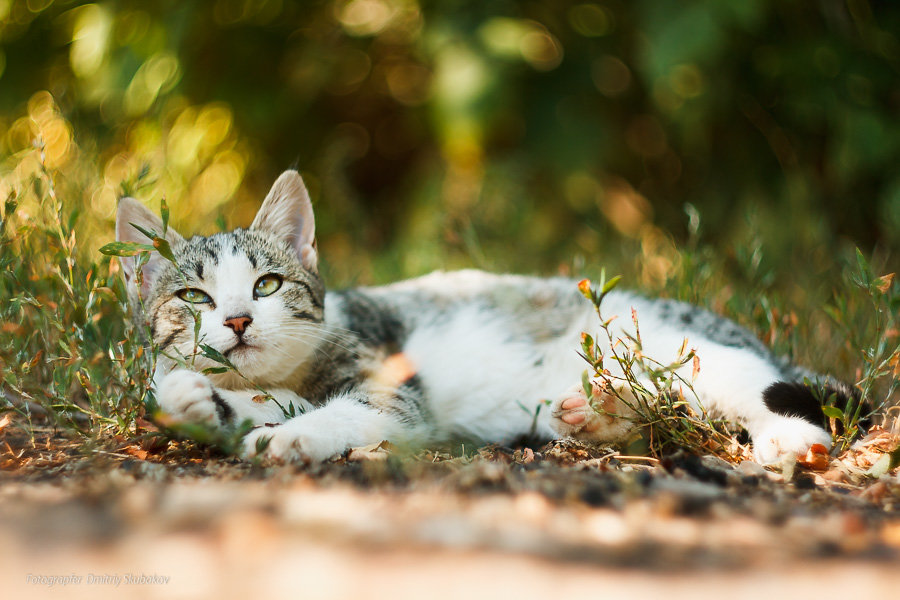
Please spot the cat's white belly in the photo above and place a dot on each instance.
(482, 382)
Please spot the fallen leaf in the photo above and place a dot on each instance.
(143, 423)
(379, 451)
(881, 466)
(136, 452)
(527, 456)
(816, 458)
(835, 475)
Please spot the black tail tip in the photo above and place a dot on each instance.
(796, 399)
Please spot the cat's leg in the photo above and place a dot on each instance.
(605, 419)
(782, 418)
(352, 419)
(189, 396)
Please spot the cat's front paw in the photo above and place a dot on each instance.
(572, 415)
(787, 435)
(187, 396)
(292, 442)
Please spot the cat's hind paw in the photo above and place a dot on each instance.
(187, 396)
(787, 435)
(572, 415)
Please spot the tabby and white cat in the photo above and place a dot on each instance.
(442, 357)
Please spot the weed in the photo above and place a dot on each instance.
(64, 355)
(657, 404)
(873, 333)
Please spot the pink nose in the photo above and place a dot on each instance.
(238, 324)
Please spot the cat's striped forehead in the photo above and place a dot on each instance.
(202, 258)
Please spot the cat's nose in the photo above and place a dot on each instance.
(239, 323)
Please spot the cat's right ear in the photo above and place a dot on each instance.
(287, 213)
(131, 211)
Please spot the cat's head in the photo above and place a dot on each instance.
(257, 291)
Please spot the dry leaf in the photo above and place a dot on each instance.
(696, 370)
(144, 424)
(135, 451)
(379, 451)
(4, 421)
(884, 283)
(816, 458)
(895, 362)
(527, 456)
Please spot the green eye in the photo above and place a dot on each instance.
(267, 285)
(194, 296)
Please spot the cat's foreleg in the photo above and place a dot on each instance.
(189, 396)
(352, 419)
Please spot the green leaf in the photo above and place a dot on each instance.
(147, 232)
(895, 459)
(586, 384)
(164, 213)
(864, 269)
(833, 412)
(215, 370)
(213, 354)
(609, 285)
(262, 443)
(165, 250)
(587, 344)
(125, 248)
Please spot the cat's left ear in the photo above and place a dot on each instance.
(287, 213)
(130, 212)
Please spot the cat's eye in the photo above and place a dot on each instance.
(194, 296)
(267, 285)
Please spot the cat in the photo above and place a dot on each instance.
(462, 355)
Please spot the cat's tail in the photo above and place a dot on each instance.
(804, 393)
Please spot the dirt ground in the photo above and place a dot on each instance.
(181, 522)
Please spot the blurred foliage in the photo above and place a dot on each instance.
(727, 153)
(453, 127)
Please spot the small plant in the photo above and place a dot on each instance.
(65, 358)
(874, 336)
(663, 417)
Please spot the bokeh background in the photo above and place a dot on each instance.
(527, 136)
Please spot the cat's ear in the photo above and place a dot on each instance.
(131, 211)
(287, 213)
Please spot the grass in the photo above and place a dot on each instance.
(71, 360)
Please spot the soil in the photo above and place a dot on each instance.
(179, 520)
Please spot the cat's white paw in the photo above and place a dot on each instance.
(571, 415)
(187, 396)
(294, 441)
(787, 435)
